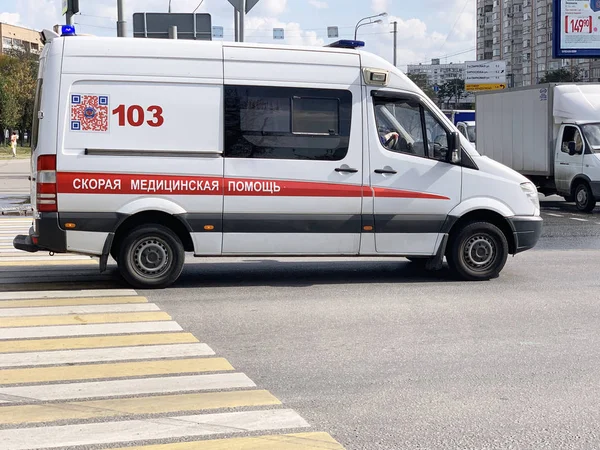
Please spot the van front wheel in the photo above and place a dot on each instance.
(151, 257)
(478, 252)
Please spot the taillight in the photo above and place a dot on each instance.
(46, 184)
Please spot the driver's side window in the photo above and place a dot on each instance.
(399, 126)
(571, 135)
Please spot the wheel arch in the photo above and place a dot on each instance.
(173, 222)
(482, 215)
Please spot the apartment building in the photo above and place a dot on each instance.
(520, 32)
(19, 38)
(438, 74)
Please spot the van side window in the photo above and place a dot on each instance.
(571, 134)
(399, 126)
(437, 137)
(287, 123)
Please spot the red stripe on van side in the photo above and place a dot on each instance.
(111, 183)
(399, 193)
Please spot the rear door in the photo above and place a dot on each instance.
(414, 187)
(293, 152)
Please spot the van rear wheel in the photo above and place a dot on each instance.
(151, 257)
(478, 252)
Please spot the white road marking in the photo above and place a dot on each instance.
(17, 295)
(87, 330)
(137, 430)
(77, 309)
(554, 215)
(58, 357)
(578, 219)
(117, 388)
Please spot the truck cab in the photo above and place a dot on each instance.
(467, 129)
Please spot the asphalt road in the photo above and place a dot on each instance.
(384, 356)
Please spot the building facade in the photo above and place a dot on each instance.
(438, 74)
(19, 38)
(520, 32)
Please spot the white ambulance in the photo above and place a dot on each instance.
(145, 149)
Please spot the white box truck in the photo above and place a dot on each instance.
(550, 133)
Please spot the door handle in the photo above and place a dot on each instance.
(564, 164)
(390, 171)
(346, 169)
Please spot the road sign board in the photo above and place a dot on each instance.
(65, 6)
(479, 74)
(332, 32)
(278, 33)
(217, 32)
(436, 88)
(237, 4)
(189, 26)
(485, 87)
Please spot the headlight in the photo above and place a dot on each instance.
(532, 194)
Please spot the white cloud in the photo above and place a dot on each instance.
(379, 6)
(318, 4)
(270, 8)
(260, 29)
(10, 18)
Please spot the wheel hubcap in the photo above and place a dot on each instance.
(582, 196)
(480, 252)
(151, 257)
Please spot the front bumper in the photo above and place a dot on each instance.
(526, 230)
(46, 235)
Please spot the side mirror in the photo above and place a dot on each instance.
(571, 146)
(454, 147)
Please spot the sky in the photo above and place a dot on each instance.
(444, 29)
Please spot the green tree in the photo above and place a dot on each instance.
(562, 75)
(18, 73)
(454, 89)
(421, 80)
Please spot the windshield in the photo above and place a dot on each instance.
(592, 135)
(471, 133)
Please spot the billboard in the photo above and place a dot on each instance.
(485, 75)
(576, 32)
(156, 25)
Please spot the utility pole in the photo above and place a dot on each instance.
(395, 43)
(236, 25)
(242, 16)
(121, 24)
(69, 17)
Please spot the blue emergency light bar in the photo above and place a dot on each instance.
(347, 43)
(67, 30)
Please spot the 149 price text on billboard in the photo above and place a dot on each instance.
(578, 25)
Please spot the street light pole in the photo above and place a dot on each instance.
(395, 43)
(121, 24)
(359, 24)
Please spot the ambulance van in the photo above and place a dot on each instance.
(145, 149)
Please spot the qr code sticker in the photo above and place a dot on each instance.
(89, 112)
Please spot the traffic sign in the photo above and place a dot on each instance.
(237, 4)
(65, 6)
(485, 87)
(217, 32)
(436, 88)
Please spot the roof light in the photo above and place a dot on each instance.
(347, 44)
(67, 30)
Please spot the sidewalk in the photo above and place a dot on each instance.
(14, 187)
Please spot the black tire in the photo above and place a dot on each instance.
(151, 257)
(569, 198)
(477, 252)
(584, 198)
